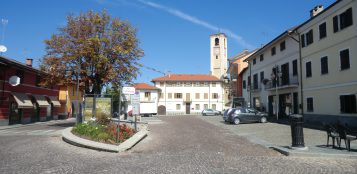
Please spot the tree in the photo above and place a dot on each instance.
(95, 48)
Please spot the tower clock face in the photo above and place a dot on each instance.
(216, 51)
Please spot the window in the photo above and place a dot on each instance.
(147, 94)
(345, 59)
(348, 103)
(213, 84)
(205, 84)
(282, 46)
(310, 105)
(249, 82)
(197, 95)
(178, 95)
(162, 84)
(169, 84)
(308, 69)
(324, 65)
(254, 61)
(205, 106)
(38, 80)
(216, 57)
(255, 79)
(206, 96)
(197, 84)
(215, 95)
(178, 84)
(161, 95)
(20, 74)
(261, 76)
(261, 57)
(169, 96)
(273, 51)
(244, 84)
(214, 106)
(343, 20)
(178, 107)
(295, 70)
(188, 84)
(197, 107)
(307, 38)
(322, 30)
(216, 42)
(202, 83)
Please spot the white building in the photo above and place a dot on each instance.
(149, 97)
(328, 53)
(273, 71)
(188, 93)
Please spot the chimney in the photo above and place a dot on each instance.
(316, 10)
(29, 62)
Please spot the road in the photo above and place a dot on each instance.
(180, 144)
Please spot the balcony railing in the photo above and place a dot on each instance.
(291, 82)
(147, 100)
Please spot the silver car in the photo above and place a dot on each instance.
(210, 112)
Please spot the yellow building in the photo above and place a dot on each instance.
(70, 100)
(328, 42)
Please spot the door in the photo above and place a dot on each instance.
(15, 114)
(35, 113)
(270, 105)
(285, 74)
(188, 108)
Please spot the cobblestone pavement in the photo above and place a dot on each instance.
(184, 144)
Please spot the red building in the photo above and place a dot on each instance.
(26, 102)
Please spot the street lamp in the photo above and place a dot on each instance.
(276, 76)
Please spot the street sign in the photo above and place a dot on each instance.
(136, 109)
(128, 90)
(135, 99)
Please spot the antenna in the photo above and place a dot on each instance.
(3, 48)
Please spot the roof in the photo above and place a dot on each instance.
(7, 61)
(311, 18)
(282, 35)
(145, 86)
(186, 77)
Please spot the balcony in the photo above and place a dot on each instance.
(187, 100)
(290, 82)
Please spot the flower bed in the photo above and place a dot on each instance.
(106, 133)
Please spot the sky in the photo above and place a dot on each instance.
(174, 34)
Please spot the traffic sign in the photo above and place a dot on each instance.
(128, 90)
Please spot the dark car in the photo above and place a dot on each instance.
(210, 112)
(244, 115)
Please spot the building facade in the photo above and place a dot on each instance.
(273, 71)
(26, 101)
(70, 102)
(328, 43)
(149, 97)
(189, 93)
(236, 66)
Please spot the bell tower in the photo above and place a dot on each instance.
(218, 55)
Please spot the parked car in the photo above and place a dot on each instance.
(244, 115)
(211, 112)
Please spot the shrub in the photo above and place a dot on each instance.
(103, 136)
(102, 118)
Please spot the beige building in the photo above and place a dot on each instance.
(329, 65)
(271, 81)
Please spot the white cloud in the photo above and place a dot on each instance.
(197, 21)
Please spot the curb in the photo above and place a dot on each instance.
(36, 123)
(307, 153)
(68, 137)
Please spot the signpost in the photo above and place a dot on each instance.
(135, 102)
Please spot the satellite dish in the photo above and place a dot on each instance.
(3, 49)
(14, 80)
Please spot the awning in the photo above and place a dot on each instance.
(41, 100)
(22, 100)
(54, 101)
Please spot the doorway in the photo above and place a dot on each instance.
(188, 108)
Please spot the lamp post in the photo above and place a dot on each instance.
(277, 77)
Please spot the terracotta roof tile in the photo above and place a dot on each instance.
(144, 86)
(186, 77)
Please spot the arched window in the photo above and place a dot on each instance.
(216, 42)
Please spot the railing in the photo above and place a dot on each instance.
(292, 81)
(187, 99)
(147, 100)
